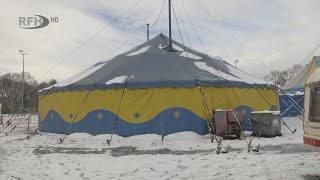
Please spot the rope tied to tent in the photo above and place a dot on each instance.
(207, 111)
(270, 106)
(117, 115)
(71, 125)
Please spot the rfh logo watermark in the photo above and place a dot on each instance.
(36, 22)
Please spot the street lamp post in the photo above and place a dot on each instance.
(235, 63)
(22, 100)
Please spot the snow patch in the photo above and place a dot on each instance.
(161, 47)
(237, 75)
(117, 80)
(217, 57)
(47, 88)
(79, 76)
(87, 156)
(266, 112)
(204, 66)
(176, 47)
(294, 93)
(190, 55)
(142, 50)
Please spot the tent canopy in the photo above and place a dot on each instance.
(298, 83)
(150, 65)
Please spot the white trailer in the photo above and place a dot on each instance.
(311, 113)
(1, 120)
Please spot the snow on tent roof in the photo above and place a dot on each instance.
(153, 66)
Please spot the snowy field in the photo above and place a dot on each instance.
(183, 155)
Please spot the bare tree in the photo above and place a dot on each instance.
(282, 77)
(294, 71)
(277, 77)
(11, 94)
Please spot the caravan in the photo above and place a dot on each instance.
(312, 110)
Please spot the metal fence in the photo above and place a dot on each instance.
(10, 123)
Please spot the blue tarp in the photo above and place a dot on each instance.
(287, 107)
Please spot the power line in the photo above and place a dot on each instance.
(164, 12)
(199, 38)
(242, 42)
(184, 26)
(91, 37)
(194, 27)
(72, 52)
(310, 54)
(158, 15)
(206, 109)
(244, 45)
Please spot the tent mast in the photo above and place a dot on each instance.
(170, 40)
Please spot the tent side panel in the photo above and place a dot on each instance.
(141, 111)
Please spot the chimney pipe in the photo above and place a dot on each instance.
(148, 32)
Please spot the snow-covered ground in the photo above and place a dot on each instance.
(183, 155)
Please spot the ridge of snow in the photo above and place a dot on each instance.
(142, 50)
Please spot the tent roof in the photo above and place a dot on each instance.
(314, 77)
(150, 65)
(298, 83)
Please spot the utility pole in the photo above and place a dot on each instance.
(22, 100)
(148, 32)
(236, 62)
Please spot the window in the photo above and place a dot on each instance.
(315, 104)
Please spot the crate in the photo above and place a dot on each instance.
(266, 123)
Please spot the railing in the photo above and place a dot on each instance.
(20, 123)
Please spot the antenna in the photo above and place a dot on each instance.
(148, 32)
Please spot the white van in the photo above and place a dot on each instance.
(311, 114)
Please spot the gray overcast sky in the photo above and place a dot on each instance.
(277, 33)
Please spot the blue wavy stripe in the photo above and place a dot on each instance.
(164, 122)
